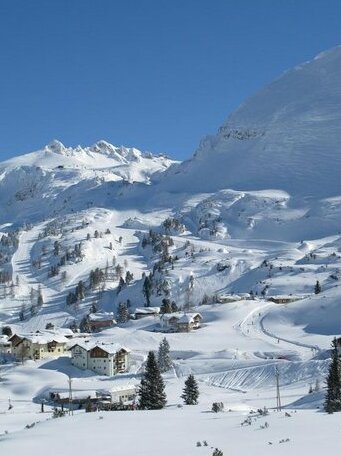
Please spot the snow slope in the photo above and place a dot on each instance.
(285, 137)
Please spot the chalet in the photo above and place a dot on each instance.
(180, 321)
(142, 312)
(104, 359)
(79, 355)
(227, 298)
(101, 399)
(37, 345)
(284, 299)
(119, 393)
(101, 320)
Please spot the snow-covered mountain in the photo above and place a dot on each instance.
(58, 178)
(286, 137)
(254, 214)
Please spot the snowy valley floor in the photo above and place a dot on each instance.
(177, 430)
(233, 358)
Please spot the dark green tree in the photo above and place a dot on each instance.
(317, 288)
(191, 391)
(122, 313)
(147, 289)
(152, 388)
(166, 306)
(164, 359)
(333, 396)
(129, 277)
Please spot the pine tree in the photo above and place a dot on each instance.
(122, 313)
(40, 300)
(84, 325)
(317, 288)
(164, 359)
(147, 289)
(152, 388)
(166, 306)
(120, 285)
(333, 396)
(80, 291)
(129, 277)
(191, 391)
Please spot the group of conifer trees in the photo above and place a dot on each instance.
(151, 393)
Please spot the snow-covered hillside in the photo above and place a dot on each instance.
(247, 233)
(285, 137)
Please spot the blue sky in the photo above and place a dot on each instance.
(154, 74)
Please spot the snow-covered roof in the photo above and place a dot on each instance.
(4, 342)
(188, 318)
(45, 338)
(110, 348)
(76, 395)
(181, 317)
(101, 316)
(287, 297)
(67, 332)
(147, 310)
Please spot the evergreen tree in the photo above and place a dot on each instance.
(122, 313)
(191, 391)
(120, 285)
(317, 288)
(174, 307)
(152, 388)
(129, 277)
(40, 300)
(147, 289)
(84, 325)
(333, 395)
(166, 306)
(164, 359)
(119, 270)
(80, 291)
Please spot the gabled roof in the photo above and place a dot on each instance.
(147, 310)
(41, 338)
(110, 348)
(45, 338)
(181, 317)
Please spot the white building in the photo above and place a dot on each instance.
(101, 320)
(38, 345)
(104, 359)
(180, 321)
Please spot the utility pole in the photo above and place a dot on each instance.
(278, 394)
(70, 396)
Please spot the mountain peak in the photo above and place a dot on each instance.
(55, 146)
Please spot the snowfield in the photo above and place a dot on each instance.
(255, 215)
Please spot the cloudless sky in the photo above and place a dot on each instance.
(154, 74)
